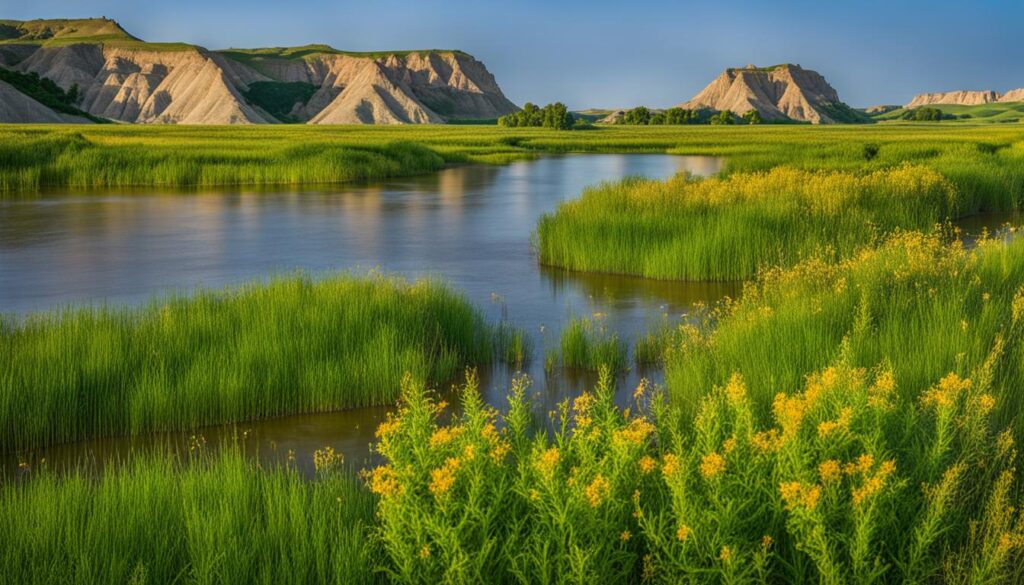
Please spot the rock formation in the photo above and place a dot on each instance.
(122, 78)
(965, 98)
(778, 93)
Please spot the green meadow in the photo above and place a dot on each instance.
(852, 417)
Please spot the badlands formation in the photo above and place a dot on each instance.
(778, 93)
(965, 98)
(124, 79)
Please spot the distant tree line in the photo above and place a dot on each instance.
(554, 116)
(48, 93)
(642, 116)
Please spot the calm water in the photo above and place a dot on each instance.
(470, 226)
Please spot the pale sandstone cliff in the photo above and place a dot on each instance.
(959, 98)
(778, 93)
(127, 80)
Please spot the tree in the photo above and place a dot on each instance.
(752, 117)
(639, 116)
(556, 116)
(723, 118)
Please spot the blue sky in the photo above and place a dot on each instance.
(600, 53)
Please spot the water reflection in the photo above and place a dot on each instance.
(469, 226)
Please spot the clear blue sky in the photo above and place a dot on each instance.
(599, 53)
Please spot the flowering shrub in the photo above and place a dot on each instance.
(843, 481)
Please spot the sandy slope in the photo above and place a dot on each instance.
(784, 91)
(18, 108)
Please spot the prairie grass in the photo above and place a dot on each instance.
(588, 344)
(920, 306)
(728, 228)
(34, 157)
(848, 478)
(286, 346)
(205, 518)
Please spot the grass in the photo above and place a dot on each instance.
(207, 518)
(847, 479)
(725, 229)
(776, 209)
(588, 344)
(37, 157)
(290, 345)
(917, 306)
(994, 113)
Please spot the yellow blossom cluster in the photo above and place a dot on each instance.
(635, 433)
(597, 491)
(946, 392)
(384, 482)
(712, 465)
(444, 435)
(327, 458)
(443, 478)
(800, 495)
(547, 463)
(647, 464)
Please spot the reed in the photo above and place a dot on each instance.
(205, 518)
(289, 345)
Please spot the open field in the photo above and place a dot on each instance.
(288, 346)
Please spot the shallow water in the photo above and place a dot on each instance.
(470, 226)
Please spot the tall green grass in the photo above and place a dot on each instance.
(208, 518)
(725, 229)
(588, 344)
(290, 345)
(920, 307)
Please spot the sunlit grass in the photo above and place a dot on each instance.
(207, 518)
(290, 345)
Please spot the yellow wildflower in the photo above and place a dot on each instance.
(636, 432)
(625, 536)
(766, 541)
(327, 458)
(443, 478)
(946, 391)
(766, 441)
(829, 471)
(826, 428)
(796, 494)
(388, 428)
(425, 551)
(647, 464)
(725, 554)
(670, 465)
(735, 389)
(729, 445)
(443, 436)
(712, 465)
(548, 462)
(683, 533)
(597, 491)
(384, 482)
(499, 451)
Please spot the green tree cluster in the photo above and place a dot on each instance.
(723, 118)
(753, 117)
(924, 115)
(675, 117)
(554, 116)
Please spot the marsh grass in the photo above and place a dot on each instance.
(588, 344)
(286, 346)
(34, 157)
(922, 306)
(729, 228)
(201, 518)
